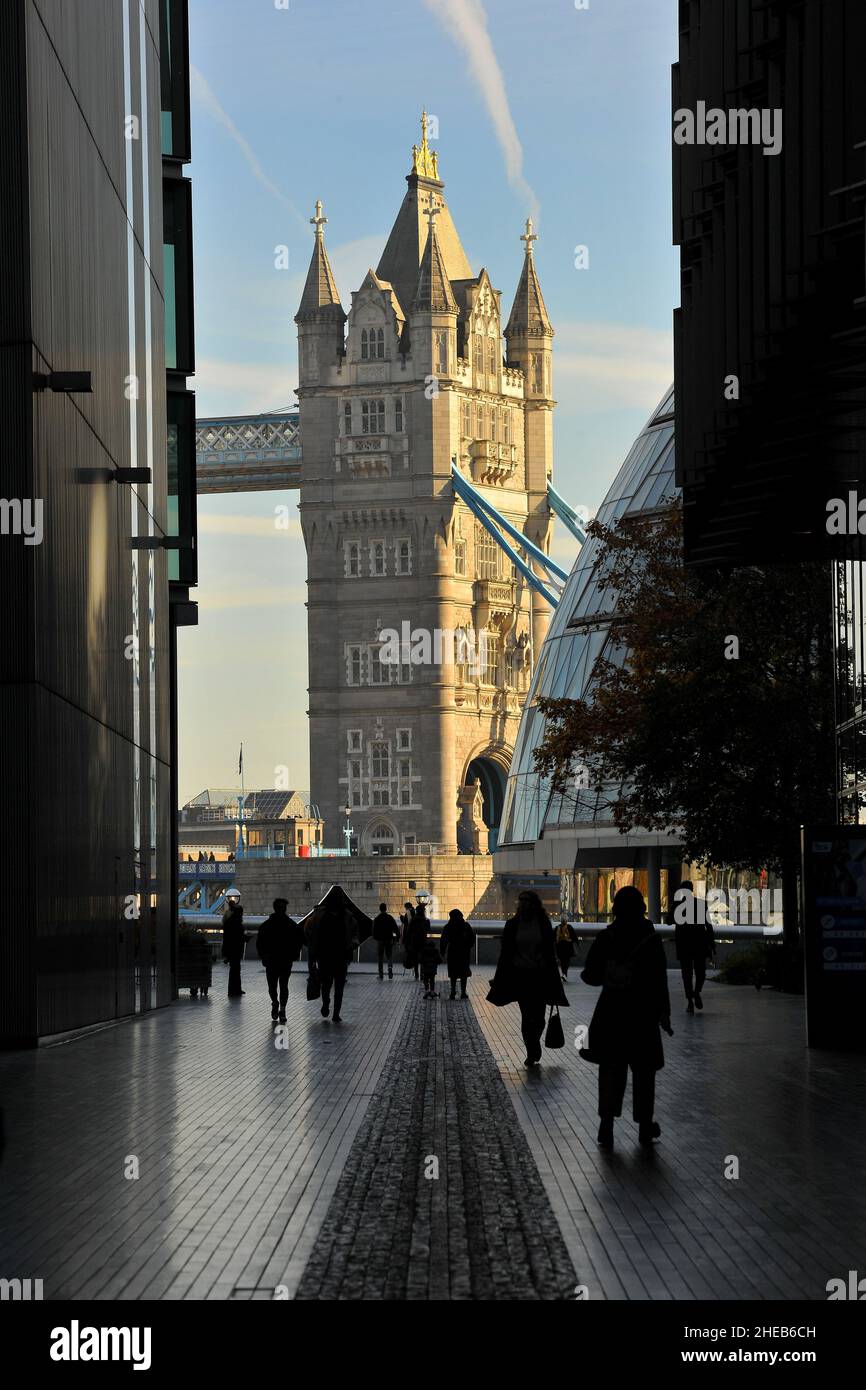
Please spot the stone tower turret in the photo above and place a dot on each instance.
(529, 337)
(420, 633)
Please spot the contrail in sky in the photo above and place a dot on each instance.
(466, 22)
(202, 92)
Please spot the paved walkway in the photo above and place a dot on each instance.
(246, 1153)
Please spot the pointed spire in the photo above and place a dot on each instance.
(528, 312)
(433, 292)
(401, 260)
(424, 160)
(320, 290)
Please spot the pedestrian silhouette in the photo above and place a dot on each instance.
(564, 946)
(527, 972)
(279, 942)
(331, 942)
(429, 961)
(234, 941)
(416, 936)
(456, 947)
(628, 961)
(385, 933)
(694, 941)
(406, 917)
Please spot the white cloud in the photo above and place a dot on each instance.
(604, 366)
(260, 526)
(203, 94)
(211, 600)
(466, 22)
(241, 388)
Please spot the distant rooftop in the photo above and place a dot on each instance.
(264, 803)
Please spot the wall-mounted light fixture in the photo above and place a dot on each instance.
(113, 475)
(161, 542)
(63, 381)
(131, 475)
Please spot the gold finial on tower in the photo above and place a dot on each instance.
(529, 236)
(424, 160)
(319, 221)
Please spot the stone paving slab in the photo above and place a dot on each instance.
(738, 1083)
(242, 1149)
(239, 1144)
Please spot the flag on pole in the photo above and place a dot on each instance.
(241, 762)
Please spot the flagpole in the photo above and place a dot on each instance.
(241, 803)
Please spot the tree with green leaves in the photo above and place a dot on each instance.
(711, 709)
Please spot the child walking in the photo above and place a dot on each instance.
(430, 959)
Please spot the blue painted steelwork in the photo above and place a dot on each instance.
(468, 494)
(567, 515)
(463, 485)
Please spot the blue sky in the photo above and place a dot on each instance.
(540, 107)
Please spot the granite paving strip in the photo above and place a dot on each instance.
(440, 1198)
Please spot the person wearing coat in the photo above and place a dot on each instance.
(527, 972)
(628, 961)
(385, 933)
(694, 942)
(456, 947)
(279, 942)
(564, 946)
(405, 923)
(234, 941)
(331, 942)
(414, 938)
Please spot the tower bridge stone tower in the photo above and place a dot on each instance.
(414, 377)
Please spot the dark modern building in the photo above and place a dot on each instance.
(769, 151)
(97, 550)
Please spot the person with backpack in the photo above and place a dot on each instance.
(628, 961)
(385, 933)
(279, 943)
(527, 972)
(456, 947)
(564, 946)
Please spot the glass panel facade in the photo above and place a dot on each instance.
(174, 65)
(578, 634)
(181, 502)
(177, 270)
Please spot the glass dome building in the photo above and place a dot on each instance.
(572, 833)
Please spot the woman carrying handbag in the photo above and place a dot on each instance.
(528, 972)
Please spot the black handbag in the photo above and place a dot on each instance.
(554, 1037)
(314, 983)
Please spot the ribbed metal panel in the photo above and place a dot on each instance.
(67, 953)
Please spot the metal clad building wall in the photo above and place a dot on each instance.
(772, 277)
(67, 693)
